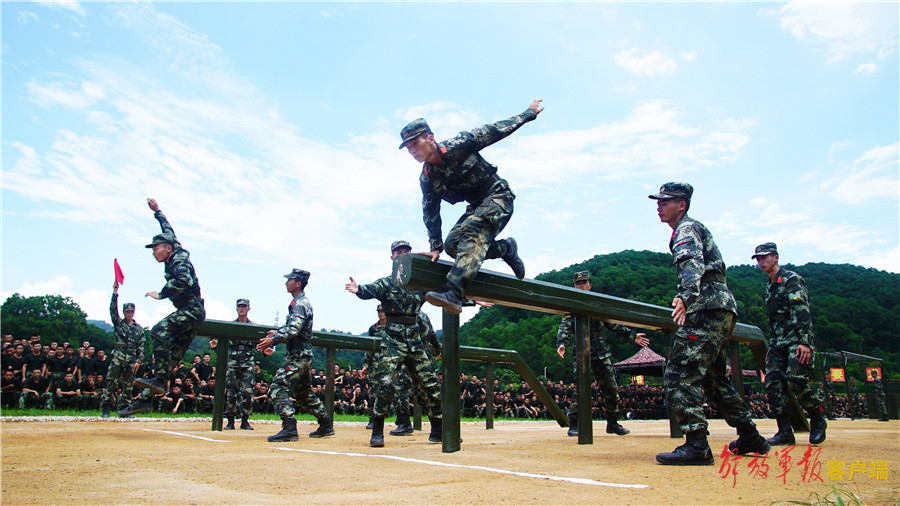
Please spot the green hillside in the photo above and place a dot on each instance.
(853, 309)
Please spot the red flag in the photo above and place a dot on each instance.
(120, 277)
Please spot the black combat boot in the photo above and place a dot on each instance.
(326, 428)
(613, 427)
(369, 425)
(437, 430)
(245, 423)
(288, 431)
(749, 441)
(136, 406)
(573, 426)
(230, 424)
(884, 418)
(105, 413)
(694, 452)
(404, 426)
(377, 440)
(785, 434)
(817, 425)
(512, 258)
(156, 385)
(447, 298)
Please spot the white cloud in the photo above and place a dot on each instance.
(874, 175)
(844, 28)
(68, 5)
(645, 63)
(689, 55)
(25, 17)
(866, 68)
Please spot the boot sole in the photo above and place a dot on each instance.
(376, 444)
(686, 462)
(439, 302)
(282, 439)
(126, 414)
(403, 433)
(141, 383)
(319, 434)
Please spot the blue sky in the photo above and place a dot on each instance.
(268, 133)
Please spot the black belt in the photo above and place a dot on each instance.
(405, 320)
(781, 318)
(713, 276)
(482, 191)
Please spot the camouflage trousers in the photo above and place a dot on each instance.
(828, 405)
(30, 400)
(402, 346)
(239, 386)
(293, 380)
(853, 407)
(67, 401)
(783, 371)
(471, 240)
(172, 336)
(121, 375)
(697, 366)
(879, 403)
(401, 386)
(605, 374)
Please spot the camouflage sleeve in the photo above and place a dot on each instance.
(373, 330)
(163, 223)
(485, 135)
(687, 250)
(429, 336)
(798, 307)
(620, 330)
(566, 331)
(114, 309)
(431, 215)
(293, 326)
(181, 279)
(372, 290)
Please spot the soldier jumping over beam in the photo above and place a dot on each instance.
(454, 171)
(171, 336)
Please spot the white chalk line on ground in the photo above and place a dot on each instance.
(582, 481)
(187, 435)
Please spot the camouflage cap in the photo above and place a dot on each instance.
(414, 129)
(673, 190)
(766, 248)
(400, 244)
(128, 306)
(379, 308)
(298, 274)
(581, 276)
(164, 238)
(242, 302)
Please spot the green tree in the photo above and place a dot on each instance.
(54, 317)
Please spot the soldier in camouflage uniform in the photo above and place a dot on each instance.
(601, 363)
(790, 354)
(293, 378)
(128, 352)
(853, 399)
(827, 394)
(879, 396)
(401, 344)
(454, 171)
(705, 311)
(239, 374)
(401, 387)
(172, 336)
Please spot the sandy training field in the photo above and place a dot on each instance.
(138, 461)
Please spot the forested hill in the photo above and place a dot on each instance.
(853, 308)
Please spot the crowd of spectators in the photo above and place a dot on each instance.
(61, 376)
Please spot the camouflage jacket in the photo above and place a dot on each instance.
(852, 392)
(787, 303)
(376, 330)
(182, 284)
(463, 173)
(130, 336)
(699, 268)
(429, 337)
(297, 329)
(241, 351)
(395, 301)
(878, 386)
(599, 349)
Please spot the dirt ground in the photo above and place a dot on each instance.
(93, 461)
